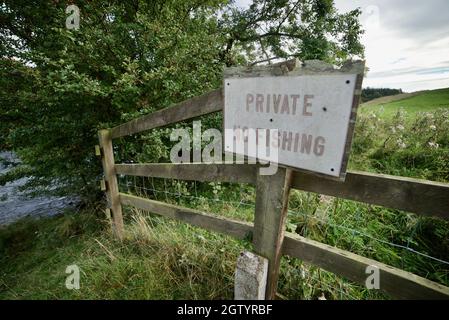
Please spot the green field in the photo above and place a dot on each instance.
(424, 102)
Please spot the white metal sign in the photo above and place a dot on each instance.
(309, 115)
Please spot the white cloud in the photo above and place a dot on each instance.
(407, 45)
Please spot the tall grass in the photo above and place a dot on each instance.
(158, 259)
(415, 146)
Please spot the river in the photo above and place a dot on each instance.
(14, 205)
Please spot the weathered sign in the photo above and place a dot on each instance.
(306, 114)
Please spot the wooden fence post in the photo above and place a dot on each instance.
(250, 277)
(272, 193)
(112, 191)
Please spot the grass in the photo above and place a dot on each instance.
(426, 101)
(165, 259)
(159, 259)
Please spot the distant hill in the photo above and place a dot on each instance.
(411, 102)
(388, 99)
(369, 94)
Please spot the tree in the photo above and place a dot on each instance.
(369, 94)
(306, 29)
(129, 58)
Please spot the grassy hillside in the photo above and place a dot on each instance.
(422, 102)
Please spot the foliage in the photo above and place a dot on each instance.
(389, 236)
(369, 94)
(59, 86)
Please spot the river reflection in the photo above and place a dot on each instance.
(14, 205)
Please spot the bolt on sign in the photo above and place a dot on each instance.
(304, 112)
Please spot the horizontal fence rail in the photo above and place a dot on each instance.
(407, 194)
(199, 106)
(235, 173)
(237, 229)
(398, 283)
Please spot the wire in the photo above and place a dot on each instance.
(242, 203)
(178, 194)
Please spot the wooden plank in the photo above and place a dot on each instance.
(294, 67)
(110, 178)
(235, 173)
(408, 194)
(337, 90)
(269, 224)
(275, 69)
(237, 229)
(398, 283)
(192, 108)
(98, 151)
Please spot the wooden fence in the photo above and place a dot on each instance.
(269, 238)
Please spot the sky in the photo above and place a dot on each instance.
(406, 42)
